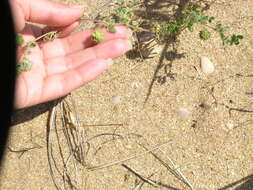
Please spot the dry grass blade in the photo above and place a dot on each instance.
(186, 181)
(51, 162)
(104, 125)
(105, 134)
(139, 185)
(23, 150)
(140, 176)
(175, 170)
(66, 145)
(126, 159)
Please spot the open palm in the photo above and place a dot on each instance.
(66, 63)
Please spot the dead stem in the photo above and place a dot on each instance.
(175, 170)
(140, 184)
(105, 134)
(23, 150)
(65, 172)
(140, 176)
(104, 125)
(126, 159)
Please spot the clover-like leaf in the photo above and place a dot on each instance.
(98, 36)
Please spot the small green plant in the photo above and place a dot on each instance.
(228, 40)
(98, 36)
(191, 15)
(25, 64)
(234, 39)
(205, 34)
(124, 15)
(110, 25)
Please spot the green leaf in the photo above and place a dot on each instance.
(190, 26)
(110, 20)
(240, 37)
(98, 36)
(235, 39)
(205, 34)
(124, 14)
(111, 28)
(171, 29)
(19, 40)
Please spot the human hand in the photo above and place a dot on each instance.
(66, 63)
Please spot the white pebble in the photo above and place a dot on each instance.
(116, 99)
(183, 112)
(135, 85)
(206, 65)
(230, 125)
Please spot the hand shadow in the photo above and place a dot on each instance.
(26, 114)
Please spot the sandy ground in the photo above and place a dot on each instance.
(212, 148)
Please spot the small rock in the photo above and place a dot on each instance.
(116, 99)
(135, 85)
(230, 125)
(206, 65)
(183, 112)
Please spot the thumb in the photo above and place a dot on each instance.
(44, 12)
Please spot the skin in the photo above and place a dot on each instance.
(66, 63)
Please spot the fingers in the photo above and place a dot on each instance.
(108, 49)
(44, 12)
(61, 84)
(79, 41)
(18, 16)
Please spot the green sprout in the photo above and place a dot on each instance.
(234, 39)
(228, 40)
(98, 36)
(111, 28)
(204, 34)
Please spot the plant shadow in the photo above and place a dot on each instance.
(164, 11)
(245, 183)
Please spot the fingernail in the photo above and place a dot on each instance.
(108, 62)
(129, 45)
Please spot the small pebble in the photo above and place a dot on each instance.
(116, 99)
(135, 85)
(230, 125)
(183, 112)
(207, 66)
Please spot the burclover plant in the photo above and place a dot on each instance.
(24, 63)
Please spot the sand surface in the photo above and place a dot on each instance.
(212, 148)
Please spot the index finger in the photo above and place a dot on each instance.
(44, 12)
